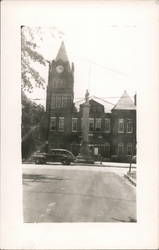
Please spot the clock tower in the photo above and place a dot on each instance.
(59, 100)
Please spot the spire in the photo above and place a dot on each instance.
(62, 55)
(125, 102)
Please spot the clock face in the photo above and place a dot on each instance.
(59, 69)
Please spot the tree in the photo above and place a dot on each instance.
(33, 127)
(32, 39)
(29, 54)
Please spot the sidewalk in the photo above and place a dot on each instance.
(131, 177)
(116, 164)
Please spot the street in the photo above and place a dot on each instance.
(57, 193)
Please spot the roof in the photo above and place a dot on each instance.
(125, 103)
(62, 55)
(107, 105)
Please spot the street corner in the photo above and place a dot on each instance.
(131, 176)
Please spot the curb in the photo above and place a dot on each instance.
(130, 179)
(97, 164)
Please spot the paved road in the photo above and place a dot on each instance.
(58, 193)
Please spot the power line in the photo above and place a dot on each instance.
(82, 98)
(102, 66)
(103, 100)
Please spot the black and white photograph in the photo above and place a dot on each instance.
(79, 124)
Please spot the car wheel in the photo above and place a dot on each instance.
(40, 162)
(66, 162)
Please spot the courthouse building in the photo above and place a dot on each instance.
(112, 128)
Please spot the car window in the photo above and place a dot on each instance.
(65, 153)
(56, 152)
(60, 152)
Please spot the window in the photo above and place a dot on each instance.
(98, 124)
(129, 126)
(68, 100)
(61, 123)
(58, 101)
(58, 83)
(120, 148)
(91, 124)
(121, 126)
(129, 148)
(64, 101)
(74, 124)
(55, 83)
(107, 125)
(53, 102)
(53, 123)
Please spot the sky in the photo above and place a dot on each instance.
(105, 44)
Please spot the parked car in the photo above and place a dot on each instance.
(55, 155)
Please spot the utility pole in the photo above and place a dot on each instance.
(48, 112)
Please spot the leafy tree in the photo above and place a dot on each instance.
(33, 126)
(32, 39)
(29, 54)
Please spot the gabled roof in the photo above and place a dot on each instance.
(107, 105)
(125, 103)
(62, 55)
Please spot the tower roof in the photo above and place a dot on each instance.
(125, 102)
(62, 55)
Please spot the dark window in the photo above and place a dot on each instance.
(53, 123)
(129, 126)
(107, 125)
(91, 124)
(120, 148)
(98, 123)
(121, 126)
(61, 123)
(129, 148)
(74, 124)
(58, 101)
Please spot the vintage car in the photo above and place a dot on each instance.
(54, 155)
